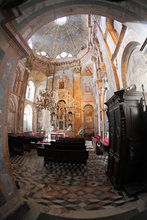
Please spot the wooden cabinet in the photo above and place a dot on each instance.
(125, 161)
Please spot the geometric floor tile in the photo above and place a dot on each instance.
(65, 187)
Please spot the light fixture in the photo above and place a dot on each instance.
(47, 97)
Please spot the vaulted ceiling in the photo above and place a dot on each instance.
(69, 34)
(37, 13)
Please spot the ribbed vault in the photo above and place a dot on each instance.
(54, 39)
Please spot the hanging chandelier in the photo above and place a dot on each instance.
(47, 98)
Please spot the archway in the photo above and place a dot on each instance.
(125, 59)
(124, 11)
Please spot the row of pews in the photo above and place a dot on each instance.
(19, 143)
(67, 150)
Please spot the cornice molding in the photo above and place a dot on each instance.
(49, 66)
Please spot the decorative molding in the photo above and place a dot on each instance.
(45, 60)
(77, 69)
(48, 66)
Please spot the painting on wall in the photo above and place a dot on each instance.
(61, 85)
(87, 85)
(87, 69)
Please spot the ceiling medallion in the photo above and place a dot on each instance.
(61, 21)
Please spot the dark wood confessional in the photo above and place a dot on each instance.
(127, 154)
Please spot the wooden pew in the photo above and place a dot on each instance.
(65, 156)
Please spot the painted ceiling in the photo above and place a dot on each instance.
(69, 35)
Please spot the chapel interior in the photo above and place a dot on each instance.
(73, 109)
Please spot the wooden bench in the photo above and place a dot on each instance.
(76, 140)
(65, 146)
(15, 146)
(65, 156)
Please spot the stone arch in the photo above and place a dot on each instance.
(41, 15)
(125, 59)
(137, 69)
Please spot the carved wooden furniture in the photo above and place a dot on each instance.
(126, 160)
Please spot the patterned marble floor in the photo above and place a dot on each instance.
(61, 188)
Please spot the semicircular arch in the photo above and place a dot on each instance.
(42, 14)
(125, 59)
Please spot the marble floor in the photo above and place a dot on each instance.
(62, 189)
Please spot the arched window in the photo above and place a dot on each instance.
(27, 122)
(30, 91)
(63, 55)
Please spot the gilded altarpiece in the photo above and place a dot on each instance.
(62, 117)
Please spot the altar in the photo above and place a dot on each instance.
(55, 135)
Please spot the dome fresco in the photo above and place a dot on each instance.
(67, 34)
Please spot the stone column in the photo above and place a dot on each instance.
(77, 97)
(22, 101)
